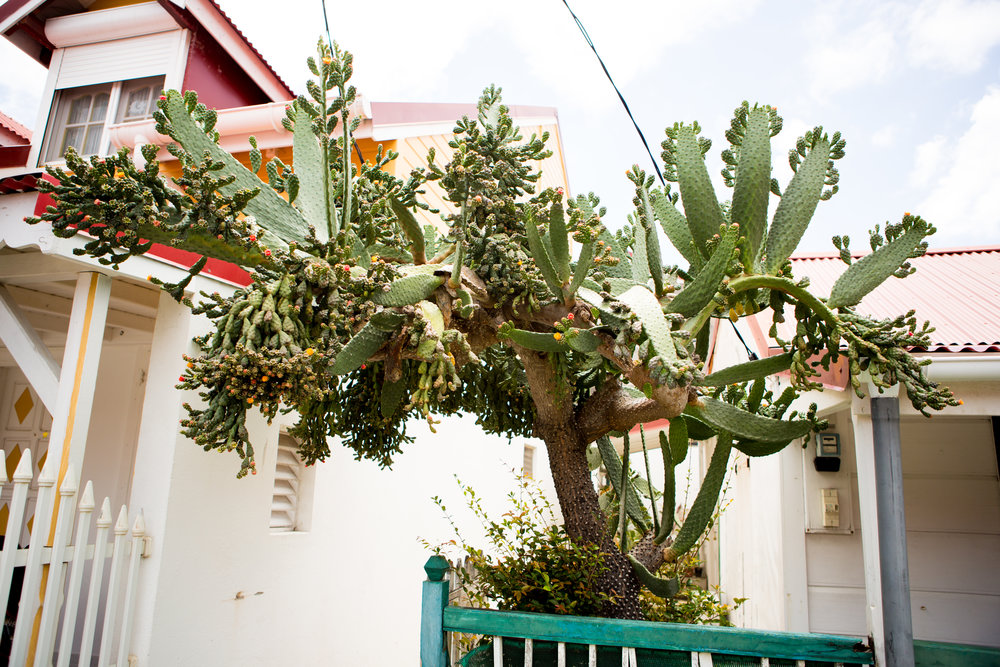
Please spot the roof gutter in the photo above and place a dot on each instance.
(975, 367)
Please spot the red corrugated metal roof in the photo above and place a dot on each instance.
(956, 289)
(10, 124)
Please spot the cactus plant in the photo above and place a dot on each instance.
(352, 324)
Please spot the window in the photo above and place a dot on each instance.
(289, 473)
(80, 116)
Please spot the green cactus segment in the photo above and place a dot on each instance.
(697, 194)
(392, 396)
(623, 269)
(434, 319)
(749, 426)
(752, 190)
(596, 301)
(697, 429)
(872, 270)
(559, 240)
(613, 465)
(757, 448)
(423, 269)
(797, 205)
(653, 257)
(583, 341)
(640, 256)
(583, 265)
(696, 294)
(541, 257)
(679, 439)
(669, 488)
(315, 197)
(661, 588)
(704, 504)
(645, 307)
(270, 209)
(408, 290)
(675, 226)
(359, 349)
(533, 340)
(408, 223)
(387, 320)
(750, 370)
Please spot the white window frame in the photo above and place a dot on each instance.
(51, 152)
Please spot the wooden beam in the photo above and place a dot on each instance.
(28, 350)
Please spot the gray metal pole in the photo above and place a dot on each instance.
(896, 614)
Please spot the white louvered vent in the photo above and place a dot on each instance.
(287, 484)
(528, 466)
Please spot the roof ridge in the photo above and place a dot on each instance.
(955, 250)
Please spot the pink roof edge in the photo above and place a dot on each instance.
(15, 127)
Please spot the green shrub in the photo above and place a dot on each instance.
(532, 564)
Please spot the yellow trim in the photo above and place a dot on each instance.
(64, 461)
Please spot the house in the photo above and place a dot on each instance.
(801, 538)
(293, 566)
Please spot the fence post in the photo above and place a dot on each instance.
(433, 601)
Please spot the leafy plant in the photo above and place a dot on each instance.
(530, 563)
(357, 319)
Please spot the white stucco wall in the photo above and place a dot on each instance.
(222, 589)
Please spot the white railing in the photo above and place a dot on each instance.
(54, 565)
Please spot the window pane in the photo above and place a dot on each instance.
(137, 97)
(93, 143)
(74, 138)
(137, 105)
(100, 108)
(78, 109)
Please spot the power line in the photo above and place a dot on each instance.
(621, 97)
(656, 166)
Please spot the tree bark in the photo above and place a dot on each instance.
(582, 516)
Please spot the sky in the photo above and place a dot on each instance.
(914, 86)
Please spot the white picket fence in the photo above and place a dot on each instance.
(54, 575)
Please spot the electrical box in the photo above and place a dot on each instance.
(827, 452)
(831, 508)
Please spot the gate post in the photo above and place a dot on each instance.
(433, 601)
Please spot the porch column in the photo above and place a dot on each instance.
(864, 447)
(78, 374)
(896, 614)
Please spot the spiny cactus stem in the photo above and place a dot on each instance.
(787, 286)
(694, 325)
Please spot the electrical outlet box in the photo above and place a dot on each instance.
(831, 508)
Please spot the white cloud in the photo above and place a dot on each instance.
(963, 202)
(953, 35)
(21, 84)
(863, 55)
(885, 136)
(928, 157)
